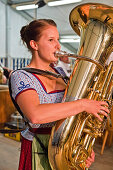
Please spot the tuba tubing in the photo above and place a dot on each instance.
(63, 53)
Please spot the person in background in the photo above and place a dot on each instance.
(40, 97)
(64, 65)
(6, 73)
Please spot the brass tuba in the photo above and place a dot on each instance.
(72, 139)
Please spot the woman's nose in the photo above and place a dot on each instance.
(58, 45)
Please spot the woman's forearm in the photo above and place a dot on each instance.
(45, 113)
(51, 112)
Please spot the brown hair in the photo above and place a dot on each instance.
(34, 29)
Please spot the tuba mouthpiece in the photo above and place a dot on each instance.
(61, 53)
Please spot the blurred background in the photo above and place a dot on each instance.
(13, 55)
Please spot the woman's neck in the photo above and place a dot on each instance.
(37, 62)
(39, 65)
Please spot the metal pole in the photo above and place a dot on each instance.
(8, 44)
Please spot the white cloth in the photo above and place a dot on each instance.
(65, 67)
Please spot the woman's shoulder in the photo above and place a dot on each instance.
(20, 73)
(21, 77)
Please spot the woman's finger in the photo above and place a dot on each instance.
(102, 112)
(88, 163)
(93, 156)
(104, 103)
(104, 109)
(96, 115)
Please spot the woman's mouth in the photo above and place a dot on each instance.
(56, 54)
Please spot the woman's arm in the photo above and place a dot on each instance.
(38, 113)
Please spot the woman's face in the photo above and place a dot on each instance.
(48, 44)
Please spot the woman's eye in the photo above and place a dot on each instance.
(50, 39)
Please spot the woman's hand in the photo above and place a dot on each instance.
(94, 107)
(90, 159)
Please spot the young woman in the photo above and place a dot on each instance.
(39, 97)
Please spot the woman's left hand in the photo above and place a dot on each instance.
(90, 159)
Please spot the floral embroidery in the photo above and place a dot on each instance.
(23, 85)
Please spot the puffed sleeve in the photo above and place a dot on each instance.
(20, 82)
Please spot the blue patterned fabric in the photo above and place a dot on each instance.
(22, 81)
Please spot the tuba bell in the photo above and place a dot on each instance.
(72, 139)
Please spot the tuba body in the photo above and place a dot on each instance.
(72, 139)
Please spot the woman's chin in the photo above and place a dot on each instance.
(55, 59)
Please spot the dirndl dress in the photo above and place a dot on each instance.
(32, 155)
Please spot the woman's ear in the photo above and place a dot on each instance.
(34, 45)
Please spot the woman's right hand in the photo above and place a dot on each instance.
(94, 107)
